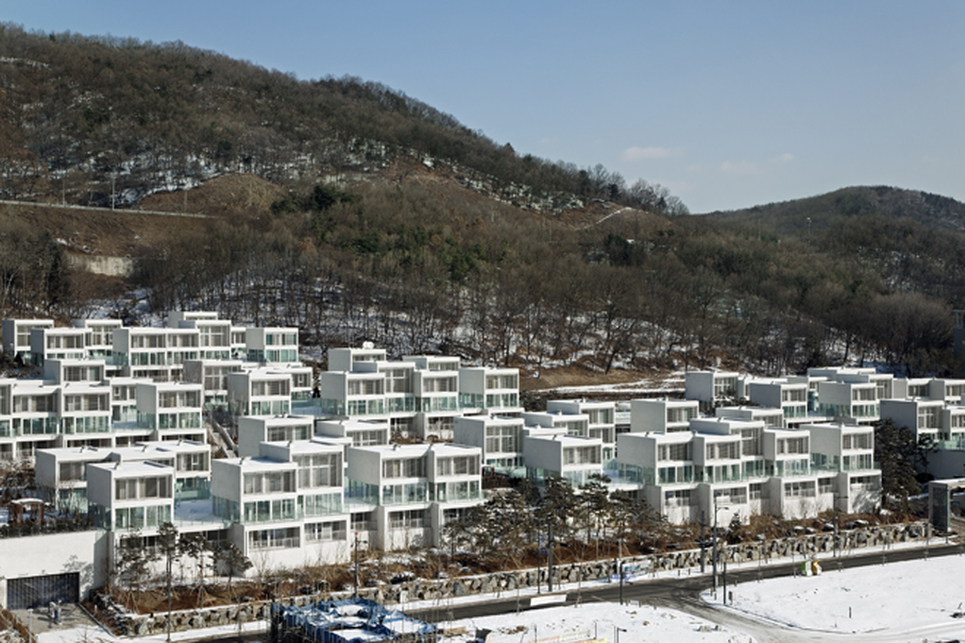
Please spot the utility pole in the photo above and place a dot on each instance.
(549, 560)
(725, 575)
(835, 501)
(620, 570)
(713, 559)
(703, 541)
(539, 568)
(356, 595)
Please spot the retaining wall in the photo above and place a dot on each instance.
(805, 545)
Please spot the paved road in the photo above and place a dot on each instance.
(683, 593)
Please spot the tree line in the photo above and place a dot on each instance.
(105, 120)
(426, 269)
(516, 523)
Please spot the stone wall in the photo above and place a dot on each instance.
(805, 546)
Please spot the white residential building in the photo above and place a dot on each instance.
(260, 391)
(272, 345)
(16, 336)
(212, 374)
(360, 433)
(489, 390)
(848, 452)
(923, 417)
(57, 343)
(500, 439)
(601, 422)
(171, 409)
(130, 495)
(662, 416)
(255, 429)
(550, 453)
(857, 401)
(155, 353)
(791, 398)
(714, 387)
(406, 494)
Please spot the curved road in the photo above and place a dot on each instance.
(683, 593)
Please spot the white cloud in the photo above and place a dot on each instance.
(632, 154)
(782, 159)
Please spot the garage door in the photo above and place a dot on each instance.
(40, 591)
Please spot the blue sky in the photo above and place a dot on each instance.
(728, 104)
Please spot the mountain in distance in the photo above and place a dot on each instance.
(358, 213)
(828, 210)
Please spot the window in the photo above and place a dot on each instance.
(734, 495)
(321, 504)
(72, 471)
(274, 538)
(825, 485)
(410, 519)
(135, 488)
(319, 470)
(269, 482)
(928, 417)
(407, 468)
(504, 439)
(365, 387)
(677, 497)
(193, 462)
(751, 442)
(799, 489)
(457, 466)
(325, 531)
(858, 441)
(581, 455)
(723, 451)
(674, 451)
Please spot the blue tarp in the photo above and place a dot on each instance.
(352, 621)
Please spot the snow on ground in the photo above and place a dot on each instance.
(916, 598)
(906, 601)
(604, 621)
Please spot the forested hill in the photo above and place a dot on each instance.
(829, 210)
(913, 241)
(357, 213)
(111, 120)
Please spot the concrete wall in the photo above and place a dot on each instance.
(84, 552)
(806, 546)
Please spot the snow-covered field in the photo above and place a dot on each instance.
(604, 621)
(913, 601)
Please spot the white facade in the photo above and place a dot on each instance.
(490, 390)
(275, 345)
(16, 336)
(404, 493)
(255, 429)
(662, 416)
(713, 387)
(260, 391)
(500, 438)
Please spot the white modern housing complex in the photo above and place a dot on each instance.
(118, 422)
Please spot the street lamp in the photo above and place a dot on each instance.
(356, 595)
(835, 508)
(714, 557)
(616, 633)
